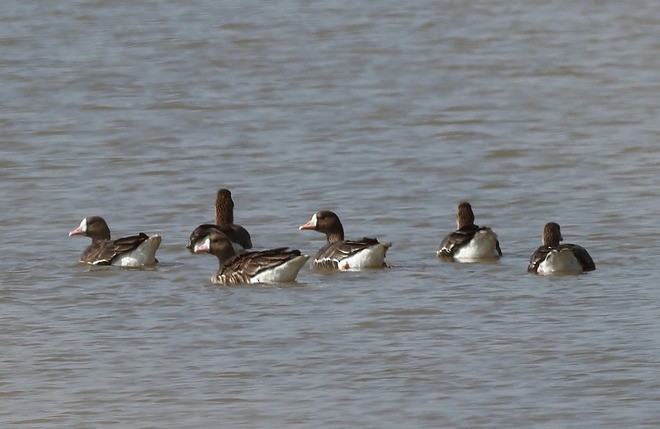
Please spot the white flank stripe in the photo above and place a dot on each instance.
(145, 254)
(371, 257)
(560, 262)
(282, 273)
(482, 246)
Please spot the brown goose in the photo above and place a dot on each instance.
(266, 266)
(340, 254)
(224, 222)
(134, 251)
(469, 242)
(556, 258)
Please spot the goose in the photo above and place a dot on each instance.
(134, 251)
(341, 254)
(278, 265)
(469, 243)
(555, 258)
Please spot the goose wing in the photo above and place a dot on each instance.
(103, 252)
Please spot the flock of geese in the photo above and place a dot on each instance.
(231, 244)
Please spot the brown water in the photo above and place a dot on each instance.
(389, 113)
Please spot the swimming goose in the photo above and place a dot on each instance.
(469, 242)
(340, 254)
(265, 266)
(555, 258)
(224, 222)
(134, 251)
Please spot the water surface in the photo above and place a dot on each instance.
(388, 113)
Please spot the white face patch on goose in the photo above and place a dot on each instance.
(81, 230)
(202, 246)
(311, 224)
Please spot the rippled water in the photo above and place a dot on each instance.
(389, 113)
